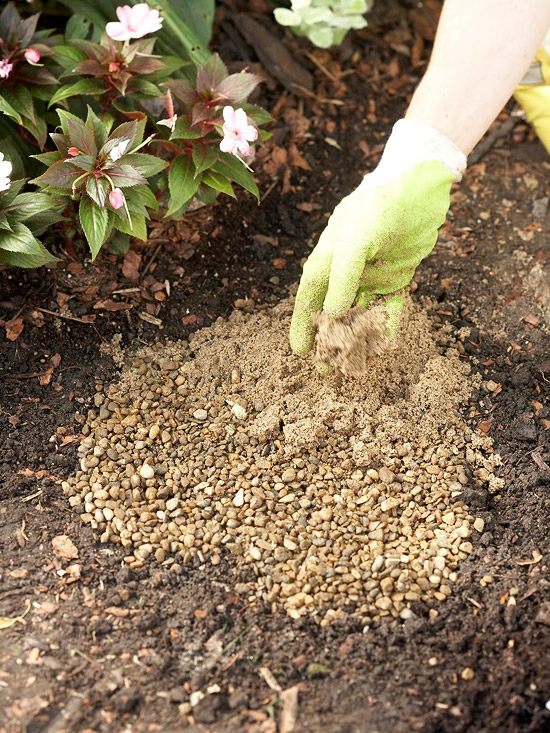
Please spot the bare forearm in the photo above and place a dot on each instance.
(481, 52)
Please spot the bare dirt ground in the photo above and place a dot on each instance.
(88, 644)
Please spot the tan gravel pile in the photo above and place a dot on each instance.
(343, 494)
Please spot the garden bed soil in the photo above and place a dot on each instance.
(97, 646)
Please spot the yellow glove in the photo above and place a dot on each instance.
(534, 93)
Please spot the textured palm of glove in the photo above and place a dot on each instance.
(371, 246)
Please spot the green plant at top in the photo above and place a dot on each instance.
(27, 78)
(186, 28)
(103, 175)
(324, 22)
(23, 215)
(107, 184)
(117, 73)
(201, 164)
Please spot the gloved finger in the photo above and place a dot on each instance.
(324, 368)
(394, 309)
(309, 299)
(352, 254)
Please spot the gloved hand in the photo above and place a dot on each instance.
(377, 236)
(533, 93)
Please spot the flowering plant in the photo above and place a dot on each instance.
(110, 167)
(27, 72)
(202, 164)
(115, 71)
(103, 174)
(22, 216)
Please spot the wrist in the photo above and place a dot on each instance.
(413, 142)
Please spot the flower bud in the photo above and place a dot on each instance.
(32, 55)
(116, 198)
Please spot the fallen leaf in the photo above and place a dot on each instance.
(63, 547)
(531, 319)
(130, 266)
(14, 328)
(297, 160)
(485, 426)
(118, 612)
(112, 305)
(5, 623)
(537, 557)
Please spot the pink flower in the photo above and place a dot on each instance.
(116, 198)
(135, 22)
(5, 173)
(32, 55)
(118, 151)
(236, 132)
(5, 68)
(73, 152)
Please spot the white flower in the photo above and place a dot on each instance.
(5, 173)
(118, 151)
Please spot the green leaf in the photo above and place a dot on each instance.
(145, 197)
(7, 109)
(184, 91)
(68, 56)
(64, 116)
(77, 27)
(38, 129)
(197, 15)
(258, 114)
(147, 165)
(218, 182)
(60, 175)
(145, 88)
(20, 248)
(81, 137)
(84, 86)
(27, 205)
(211, 74)
(182, 183)
(204, 156)
(98, 189)
(118, 243)
(137, 228)
(231, 167)
(237, 87)
(124, 175)
(95, 224)
(185, 131)
(100, 127)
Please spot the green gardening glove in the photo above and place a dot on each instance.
(377, 236)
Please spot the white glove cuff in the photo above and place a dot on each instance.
(413, 142)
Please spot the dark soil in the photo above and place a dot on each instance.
(103, 648)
